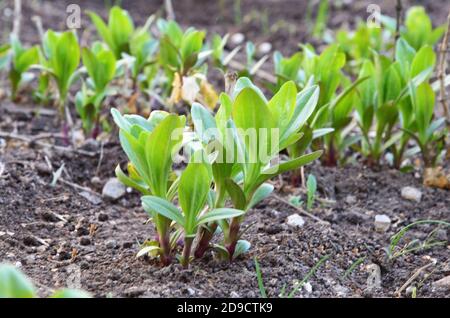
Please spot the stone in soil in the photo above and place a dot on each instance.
(113, 189)
(374, 278)
(94, 199)
(102, 217)
(295, 220)
(382, 223)
(85, 241)
(443, 283)
(412, 194)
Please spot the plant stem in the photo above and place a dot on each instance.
(442, 71)
(206, 234)
(163, 228)
(233, 236)
(187, 252)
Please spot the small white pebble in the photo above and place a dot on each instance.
(412, 194)
(264, 48)
(382, 223)
(237, 39)
(308, 287)
(295, 220)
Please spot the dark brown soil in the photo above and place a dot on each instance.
(52, 231)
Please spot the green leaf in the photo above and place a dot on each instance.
(245, 82)
(242, 247)
(305, 105)
(236, 194)
(282, 105)
(193, 190)
(101, 67)
(139, 186)
(121, 28)
(263, 192)
(14, 284)
(288, 166)
(160, 145)
(219, 214)
(103, 30)
(152, 205)
(204, 123)
(424, 59)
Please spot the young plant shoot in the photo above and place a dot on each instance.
(62, 58)
(250, 132)
(149, 145)
(100, 64)
(21, 61)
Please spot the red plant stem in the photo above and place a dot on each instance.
(96, 130)
(205, 237)
(187, 252)
(233, 236)
(164, 242)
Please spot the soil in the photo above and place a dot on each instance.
(54, 232)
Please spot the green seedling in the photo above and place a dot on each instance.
(385, 99)
(418, 30)
(100, 64)
(118, 32)
(334, 111)
(394, 250)
(242, 177)
(193, 191)
(149, 145)
(21, 61)
(60, 61)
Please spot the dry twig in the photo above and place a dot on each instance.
(169, 10)
(299, 209)
(17, 18)
(33, 141)
(442, 72)
(411, 279)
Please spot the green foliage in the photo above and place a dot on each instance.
(62, 57)
(237, 130)
(418, 30)
(360, 44)
(180, 51)
(395, 250)
(118, 32)
(149, 145)
(389, 96)
(21, 61)
(287, 68)
(192, 194)
(14, 284)
(100, 64)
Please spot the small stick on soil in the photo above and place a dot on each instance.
(299, 209)
(13, 109)
(38, 21)
(100, 160)
(169, 9)
(78, 187)
(31, 141)
(17, 18)
(398, 12)
(398, 292)
(442, 71)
